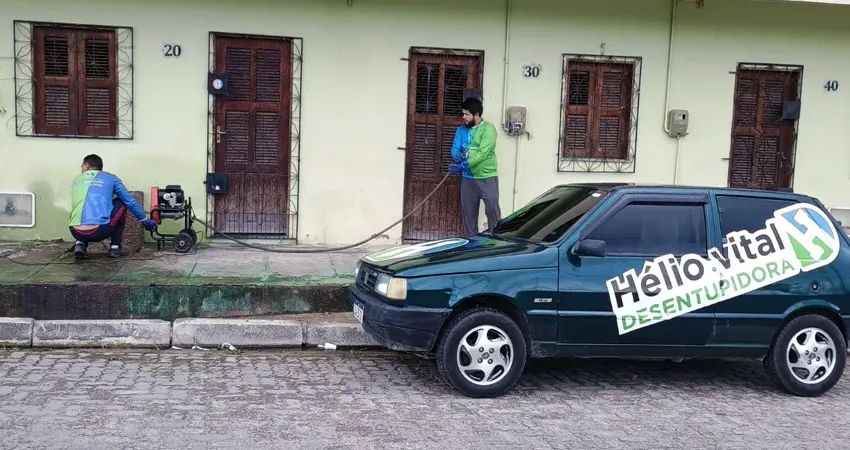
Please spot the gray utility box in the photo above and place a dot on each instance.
(677, 119)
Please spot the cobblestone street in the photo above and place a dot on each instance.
(187, 399)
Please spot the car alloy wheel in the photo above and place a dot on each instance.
(485, 355)
(811, 355)
(807, 357)
(481, 352)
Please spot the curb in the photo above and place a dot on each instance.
(242, 333)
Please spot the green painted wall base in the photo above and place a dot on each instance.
(59, 301)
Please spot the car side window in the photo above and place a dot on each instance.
(746, 213)
(654, 229)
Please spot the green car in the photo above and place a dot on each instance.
(608, 270)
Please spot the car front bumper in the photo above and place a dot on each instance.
(403, 328)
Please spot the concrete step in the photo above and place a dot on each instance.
(297, 330)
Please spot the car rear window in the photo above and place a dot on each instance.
(739, 213)
(654, 229)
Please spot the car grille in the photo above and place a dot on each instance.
(367, 277)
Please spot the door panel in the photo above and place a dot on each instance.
(437, 86)
(586, 316)
(253, 136)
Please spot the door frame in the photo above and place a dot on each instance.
(295, 128)
(766, 67)
(410, 104)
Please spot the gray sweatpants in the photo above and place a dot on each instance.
(471, 194)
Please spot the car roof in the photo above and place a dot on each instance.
(611, 187)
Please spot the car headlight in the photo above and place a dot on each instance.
(393, 288)
(357, 270)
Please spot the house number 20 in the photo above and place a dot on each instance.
(831, 85)
(172, 50)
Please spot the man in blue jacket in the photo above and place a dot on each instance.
(474, 154)
(99, 202)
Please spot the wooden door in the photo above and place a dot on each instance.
(253, 136)
(437, 84)
(762, 153)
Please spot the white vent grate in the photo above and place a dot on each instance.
(17, 209)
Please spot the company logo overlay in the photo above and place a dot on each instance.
(798, 238)
(421, 249)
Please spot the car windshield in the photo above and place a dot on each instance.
(548, 217)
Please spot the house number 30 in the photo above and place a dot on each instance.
(831, 85)
(531, 71)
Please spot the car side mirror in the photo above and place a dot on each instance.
(589, 247)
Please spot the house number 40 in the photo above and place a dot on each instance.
(831, 85)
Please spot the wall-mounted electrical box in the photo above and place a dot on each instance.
(677, 121)
(18, 209)
(515, 120)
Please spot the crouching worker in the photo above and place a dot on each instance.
(99, 204)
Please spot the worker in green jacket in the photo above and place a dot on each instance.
(479, 160)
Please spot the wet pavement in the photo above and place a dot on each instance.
(311, 400)
(43, 281)
(221, 264)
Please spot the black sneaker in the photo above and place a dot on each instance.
(80, 251)
(117, 252)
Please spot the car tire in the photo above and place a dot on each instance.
(501, 334)
(830, 356)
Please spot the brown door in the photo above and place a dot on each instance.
(762, 153)
(437, 84)
(252, 136)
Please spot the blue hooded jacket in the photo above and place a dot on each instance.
(460, 147)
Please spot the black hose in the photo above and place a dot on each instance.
(326, 250)
(277, 250)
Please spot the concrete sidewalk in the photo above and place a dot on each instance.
(42, 281)
(339, 329)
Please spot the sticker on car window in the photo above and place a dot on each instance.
(798, 238)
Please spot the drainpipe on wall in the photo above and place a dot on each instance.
(505, 95)
(666, 124)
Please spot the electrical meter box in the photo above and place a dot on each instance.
(677, 120)
(515, 123)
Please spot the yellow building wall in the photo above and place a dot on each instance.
(354, 94)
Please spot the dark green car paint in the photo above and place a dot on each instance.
(565, 302)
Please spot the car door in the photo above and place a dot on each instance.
(636, 228)
(750, 320)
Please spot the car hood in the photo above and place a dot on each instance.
(475, 254)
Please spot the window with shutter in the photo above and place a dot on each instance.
(75, 80)
(599, 113)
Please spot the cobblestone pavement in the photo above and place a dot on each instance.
(302, 400)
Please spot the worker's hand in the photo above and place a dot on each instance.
(456, 168)
(148, 224)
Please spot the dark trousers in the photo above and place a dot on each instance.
(114, 229)
(472, 192)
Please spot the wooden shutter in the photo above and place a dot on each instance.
(55, 69)
(598, 116)
(97, 83)
(581, 82)
(75, 82)
(614, 97)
